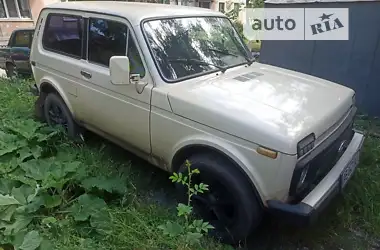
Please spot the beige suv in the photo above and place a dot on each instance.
(171, 83)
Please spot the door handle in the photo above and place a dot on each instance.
(86, 74)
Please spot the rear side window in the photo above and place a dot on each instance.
(63, 34)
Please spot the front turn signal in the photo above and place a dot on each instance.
(267, 152)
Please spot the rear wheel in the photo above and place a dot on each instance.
(57, 113)
(230, 205)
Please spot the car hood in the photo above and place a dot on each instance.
(270, 106)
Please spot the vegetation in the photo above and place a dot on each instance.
(192, 231)
(55, 194)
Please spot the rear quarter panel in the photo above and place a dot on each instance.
(60, 71)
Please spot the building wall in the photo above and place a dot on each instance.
(7, 25)
(37, 5)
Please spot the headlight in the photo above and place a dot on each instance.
(354, 100)
(305, 145)
(303, 175)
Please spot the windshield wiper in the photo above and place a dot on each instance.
(226, 52)
(196, 61)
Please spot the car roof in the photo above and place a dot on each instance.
(135, 12)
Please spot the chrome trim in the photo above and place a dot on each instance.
(320, 146)
(329, 184)
(335, 126)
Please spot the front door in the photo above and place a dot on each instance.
(118, 110)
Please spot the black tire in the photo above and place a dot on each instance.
(234, 188)
(10, 70)
(57, 113)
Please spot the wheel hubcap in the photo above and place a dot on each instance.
(56, 116)
(216, 206)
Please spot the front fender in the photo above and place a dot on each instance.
(235, 152)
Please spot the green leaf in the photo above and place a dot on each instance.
(6, 200)
(183, 209)
(87, 244)
(206, 227)
(44, 137)
(203, 187)
(20, 222)
(9, 166)
(86, 206)
(45, 245)
(195, 171)
(196, 224)
(6, 214)
(65, 156)
(174, 177)
(101, 222)
(18, 175)
(32, 206)
(10, 143)
(31, 241)
(193, 238)
(49, 220)
(187, 163)
(171, 228)
(24, 153)
(184, 180)
(51, 201)
(38, 169)
(21, 194)
(6, 185)
(109, 184)
(36, 151)
(25, 127)
(18, 238)
(59, 170)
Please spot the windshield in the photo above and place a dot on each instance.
(189, 46)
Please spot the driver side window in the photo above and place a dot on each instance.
(108, 38)
(135, 63)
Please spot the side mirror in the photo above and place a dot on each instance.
(119, 70)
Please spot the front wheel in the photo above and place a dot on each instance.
(230, 205)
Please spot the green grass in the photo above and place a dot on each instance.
(350, 222)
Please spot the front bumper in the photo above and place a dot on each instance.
(306, 211)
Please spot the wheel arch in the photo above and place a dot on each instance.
(49, 86)
(186, 151)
